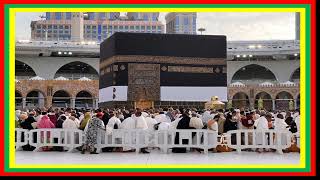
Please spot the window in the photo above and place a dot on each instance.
(177, 20)
(104, 27)
(120, 27)
(88, 31)
(132, 27)
(49, 26)
(102, 16)
(145, 17)
(153, 27)
(49, 31)
(66, 27)
(109, 27)
(154, 17)
(91, 16)
(94, 27)
(68, 15)
(67, 32)
(55, 27)
(159, 27)
(194, 21)
(148, 27)
(60, 32)
(60, 27)
(126, 27)
(55, 31)
(48, 16)
(143, 27)
(115, 27)
(186, 21)
(88, 27)
(58, 15)
(38, 26)
(137, 27)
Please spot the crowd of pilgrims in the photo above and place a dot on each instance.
(90, 121)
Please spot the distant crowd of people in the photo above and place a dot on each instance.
(91, 121)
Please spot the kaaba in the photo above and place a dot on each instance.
(162, 70)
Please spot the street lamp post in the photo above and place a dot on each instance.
(201, 30)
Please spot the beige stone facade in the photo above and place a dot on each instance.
(49, 87)
(250, 95)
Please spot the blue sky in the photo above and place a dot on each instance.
(236, 26)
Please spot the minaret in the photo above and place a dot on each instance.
(77, 27)
(297, 28)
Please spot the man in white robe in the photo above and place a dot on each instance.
(140, 124)
(261, 124)
(162, 118)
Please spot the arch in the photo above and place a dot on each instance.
(76, 70)
(267, 100)
(35, 98)
(283, 99)
(84, 99)
(240, 100)
(298, 101)
(295, 76)
(18, 99)
(61, 98)
(253, 73)
(23, 70)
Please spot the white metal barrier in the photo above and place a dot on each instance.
(21, 137)
(163, 139)
(242, 139)
(70, 138)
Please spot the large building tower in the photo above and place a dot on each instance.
(181, 23)
(77, 27)
(297, 28)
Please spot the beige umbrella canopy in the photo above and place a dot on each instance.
(214, 103)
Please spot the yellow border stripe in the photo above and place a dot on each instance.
(12, 12)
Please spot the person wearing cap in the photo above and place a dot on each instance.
(91, 135)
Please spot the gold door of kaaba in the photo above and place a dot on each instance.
(143, 84)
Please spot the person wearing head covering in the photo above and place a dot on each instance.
(248, 123)
(52, 116)
(85, 120)
(183, 124)
(91, 135)
(161, 117)
(150, 121)
(195, 122)
(140, 124)
(45, 123)
(22, 117)
(29, 123)
(289, 120)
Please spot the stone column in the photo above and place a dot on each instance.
(295, 104)
(48, 101)
(24, 102)
(273, 104)
(96, 103)
(73, 102)
(251, 102)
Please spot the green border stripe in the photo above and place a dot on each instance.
(157, 5)
(308, 98)
(6, 89)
